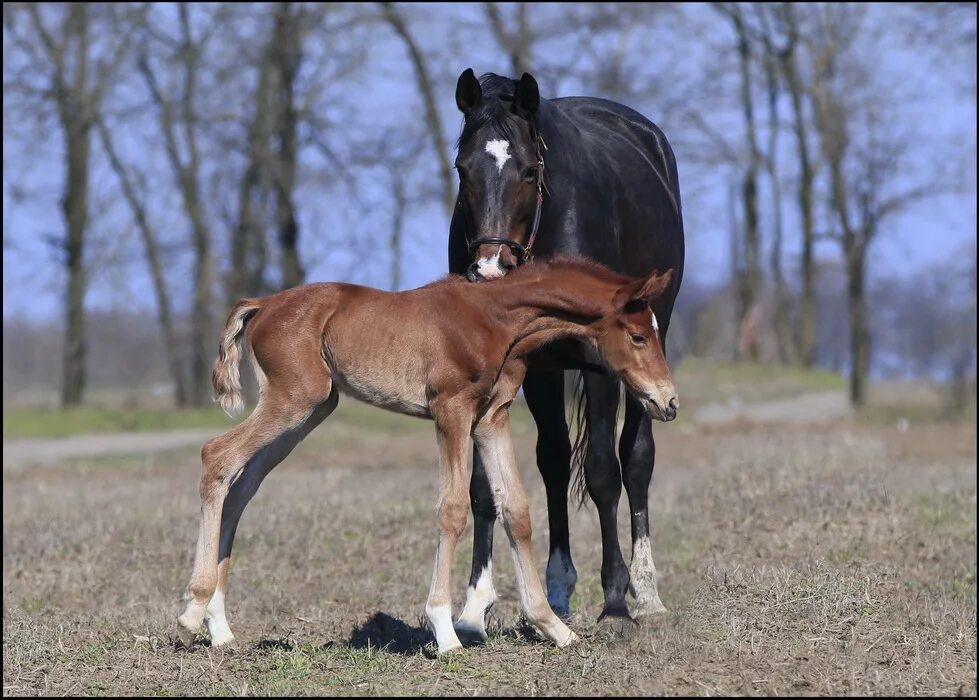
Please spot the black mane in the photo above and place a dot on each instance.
(493, 109)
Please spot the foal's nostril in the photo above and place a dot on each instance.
(674, 404)
(472, 274)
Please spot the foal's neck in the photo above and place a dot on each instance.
(552, 303)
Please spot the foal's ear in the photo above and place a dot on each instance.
(468, 91)
(643, 291)
(526, 97)
(655, 285)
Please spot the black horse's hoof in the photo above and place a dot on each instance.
(615, 624)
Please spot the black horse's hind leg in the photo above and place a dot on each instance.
(637, 453)
(604, 482)
(480, 595)
(544, 391)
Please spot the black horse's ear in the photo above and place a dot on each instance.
(526, 97)
(468, 91)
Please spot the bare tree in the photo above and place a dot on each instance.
(151, 249)
(787, 52)
(393, 16)
(285, 54)
(249, 252)
(77, 74)
(864, 161)
(770, 59)
(749, 287)
(178, 118)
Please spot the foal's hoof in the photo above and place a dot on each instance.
(470, 635)
(450, 650)
(185, 637)
(572, 638)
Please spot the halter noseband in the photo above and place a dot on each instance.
(523, 253)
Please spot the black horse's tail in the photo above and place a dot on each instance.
(579, 447)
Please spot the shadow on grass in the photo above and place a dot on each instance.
(391, 634)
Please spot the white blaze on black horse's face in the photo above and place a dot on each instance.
(500, 150)
(497, 165)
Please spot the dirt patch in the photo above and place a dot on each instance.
(794, 561)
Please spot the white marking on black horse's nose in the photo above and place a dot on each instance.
(489, 267)
(500, 150)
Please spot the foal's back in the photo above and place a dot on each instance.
(385, 348)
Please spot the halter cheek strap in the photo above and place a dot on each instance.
(523, 253)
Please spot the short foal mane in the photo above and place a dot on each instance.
(566, 263)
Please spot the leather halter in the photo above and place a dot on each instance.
(523, 253)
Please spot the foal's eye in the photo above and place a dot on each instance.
(529, 174)
(638, 339)
(463, 173)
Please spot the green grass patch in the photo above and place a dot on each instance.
(46, 422)
(40, 422)
(946, 512)
(702, 382)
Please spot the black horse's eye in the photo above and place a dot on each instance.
(529, 174)
(638, 339)
(463, 173)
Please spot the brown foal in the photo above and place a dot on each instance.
(453, 352)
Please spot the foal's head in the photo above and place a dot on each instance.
(630, 344)
(499, 169)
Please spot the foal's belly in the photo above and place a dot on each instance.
(400, 393)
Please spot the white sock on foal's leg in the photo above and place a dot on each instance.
(217, 623)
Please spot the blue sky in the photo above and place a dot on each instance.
(937, 107)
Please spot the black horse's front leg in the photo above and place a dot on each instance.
(604, 481)
(544, 391)
(480, 595)
(637, 452)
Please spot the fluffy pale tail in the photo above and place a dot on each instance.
(225, 377)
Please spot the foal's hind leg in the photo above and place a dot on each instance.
(225, 459)
(239, 495)
(492, 437)
(637, 451)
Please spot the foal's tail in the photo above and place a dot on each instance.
(225, 377)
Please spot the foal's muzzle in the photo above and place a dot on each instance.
(662, 413)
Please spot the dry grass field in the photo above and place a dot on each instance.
(831, 558)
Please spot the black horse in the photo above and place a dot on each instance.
(584, 176)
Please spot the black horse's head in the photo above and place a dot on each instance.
(500, 169)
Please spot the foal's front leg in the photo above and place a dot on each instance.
(452, 433)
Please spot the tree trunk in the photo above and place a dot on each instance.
(432, 117)
(397, 227)
(75, 206)
(74, 112)
(807, 304)
(248, 249)
(751, 280)
(188, 182)
(287, 55)
(783, 331)
(152, 252)
(859, 335)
